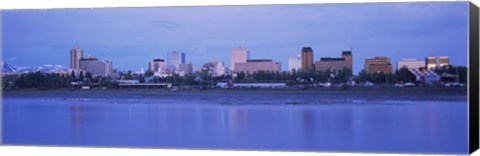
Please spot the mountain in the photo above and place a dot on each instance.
(8, 68)
(48, 68)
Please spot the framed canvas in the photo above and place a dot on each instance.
(356, 77)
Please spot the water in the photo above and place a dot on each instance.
(240, 121)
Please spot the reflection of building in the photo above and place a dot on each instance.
(307, 58)
(96, 67)
(238, 55)
(257, 65)
(443, 61)
(431, 62)
(378, 65)
(410, 64)
(328, 63)
(294, 63)
(75, 55)
(215, 68)
(174, 59)
(184, 69)
(157, 65)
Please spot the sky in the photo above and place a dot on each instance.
(131, 37)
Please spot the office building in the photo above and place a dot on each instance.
(295, 63)
(184, 69)
(75, 55)
(252, 66)
(443, 61)
(410, 64)
(335, 64)
(238, 55)
(174, 59)
(157, 65)
(378, 65)
(307, 59)
(96, 67)
(431, 62)
(214, 68)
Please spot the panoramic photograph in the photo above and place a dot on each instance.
(357, 77)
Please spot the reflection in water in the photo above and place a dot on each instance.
(427, 127)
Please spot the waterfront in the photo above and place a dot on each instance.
(239, 120)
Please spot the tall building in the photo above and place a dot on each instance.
(238, 55)
(431, 62)
(252, 66)
(294, 63)
(96, 67)
(410, 64)
(307, 59)
(75, 55)
(443, 61)
(329, 64)
(378, 65)
(184, 69)
(174, 59)
(157, 65)
(215, 68)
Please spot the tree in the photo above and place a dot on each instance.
(89, 76)
(81, 75)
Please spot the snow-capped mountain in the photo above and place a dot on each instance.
(8, 68)
(48, 68)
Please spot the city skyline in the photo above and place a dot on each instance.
(403, 30)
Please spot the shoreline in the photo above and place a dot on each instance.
(320, 91)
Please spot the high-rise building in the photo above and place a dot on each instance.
(410, 64)
(294, 63)
(174, 59)
(238, 55)
(329, 64)
(378, 65)
(184, 69)
(75, 55)
(252, 66)
(431, 62)
(157, 65)
(96, 67)
(215, 68)
(443, 61)
(307, 59)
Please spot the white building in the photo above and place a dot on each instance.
(96, 67)
(174, 59)
(410, 64)
(238, 55)
(295, 63)
(184, 69)
(75, 55)
(215, 68)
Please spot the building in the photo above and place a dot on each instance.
(410, 64)
(443, 61)
(184, 69)
(378, 65)
(252, 66)
(307, 59)
(424, 75)
(174, 59)
(431, 62)
(335, 64)
(157, 65)
(295, 63)
(96, 67)
(215, 68)
(238, 55)
(75, 55)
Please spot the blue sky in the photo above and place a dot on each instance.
(130, 37)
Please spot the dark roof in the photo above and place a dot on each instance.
(158, 60)
(307, 49)
(88, 59)
(332, 59)
(260, 60)
(347, 53)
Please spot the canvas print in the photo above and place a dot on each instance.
(366, 77)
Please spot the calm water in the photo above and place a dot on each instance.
(241, 122)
